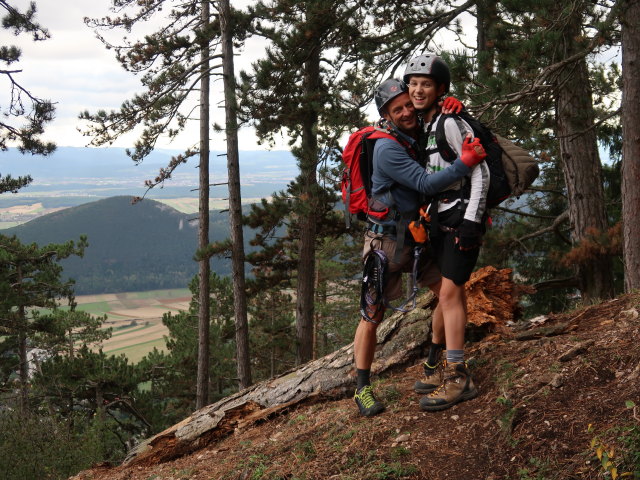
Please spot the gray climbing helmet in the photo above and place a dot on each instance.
(431, 65)
(387, 91)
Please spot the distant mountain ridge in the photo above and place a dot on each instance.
(83, 174)
(144, 246)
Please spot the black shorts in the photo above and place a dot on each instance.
(455, 264)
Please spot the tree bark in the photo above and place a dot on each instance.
(307, 215)
(24, 371)
(204, 267)
(22, 347)
(486, 27)
(631, 144)
(235, 204)
(581, 165)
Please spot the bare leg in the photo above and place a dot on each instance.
(452, 301)
(437, 319)
(364, 344)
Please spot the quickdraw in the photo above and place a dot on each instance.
(372, 300)
(413, 296)
(373, 281)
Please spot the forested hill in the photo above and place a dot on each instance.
(131, 247)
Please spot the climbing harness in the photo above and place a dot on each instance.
(412, 298)
(372, 299)
(373, 280)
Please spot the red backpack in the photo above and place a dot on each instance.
(356, 176)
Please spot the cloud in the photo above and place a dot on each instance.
(75, 70)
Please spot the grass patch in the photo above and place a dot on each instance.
(258, 463)
(160, 294)
(394, 470)
(136, 352)
(400, 452)
(305, 451)
(507, 376)
(538, 470)
(5, 225)
(129, 329)
(95, 308)
(298, 419)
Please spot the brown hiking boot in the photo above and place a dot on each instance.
(432, 377)
(456, 387)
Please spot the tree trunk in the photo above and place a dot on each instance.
(631, 144)
(204, 270)
(24, 370)
(235, 204)
(581, 166)
(307, 213)
(22, 346)
(485, 22)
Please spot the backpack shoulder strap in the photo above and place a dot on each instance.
(444, 149)
(383, 133)
(368, 139)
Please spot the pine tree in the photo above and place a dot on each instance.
(272, 333)
(305, 88)
(173, 375)
(22, 105)
(630, 20)
(176, 61)
(235, 205)
(100, 388)
(542, 71)
(579, 154)
(30, 277)
(337, 306)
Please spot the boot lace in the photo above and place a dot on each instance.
(445, 379)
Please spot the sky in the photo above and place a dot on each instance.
(75, 70)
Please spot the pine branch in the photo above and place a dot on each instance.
(554, 227)
(544, 81)
(524, 214)
(568, 282)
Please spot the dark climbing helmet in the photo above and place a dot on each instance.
(429, 64)
(387, 91)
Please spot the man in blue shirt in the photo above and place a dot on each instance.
(400, 183)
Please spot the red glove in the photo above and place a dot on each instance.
(451, 105)
(472, 151)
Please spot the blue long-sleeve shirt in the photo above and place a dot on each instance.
(397, 174)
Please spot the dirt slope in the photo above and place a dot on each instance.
(551, 396)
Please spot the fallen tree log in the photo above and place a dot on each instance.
(402, 339)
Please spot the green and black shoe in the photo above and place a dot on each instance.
(367, 403)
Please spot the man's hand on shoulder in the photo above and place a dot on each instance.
(451, 105)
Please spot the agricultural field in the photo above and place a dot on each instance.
(19, 214)
(136, 318)
(190, 204)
